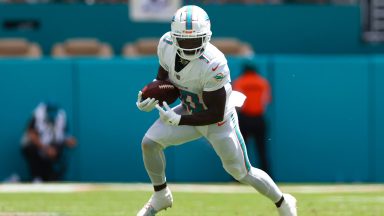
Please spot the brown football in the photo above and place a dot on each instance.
(161, 91)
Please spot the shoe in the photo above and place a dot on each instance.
(288, 207)
(160, 200)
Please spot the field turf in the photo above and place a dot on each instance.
(96, 200)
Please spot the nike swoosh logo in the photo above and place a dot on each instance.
(213, 69)
(221, 123)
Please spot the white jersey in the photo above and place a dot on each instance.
(209, 72)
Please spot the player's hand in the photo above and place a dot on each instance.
(168, 116)
(50, 152)
(71, 142)
(147, 105)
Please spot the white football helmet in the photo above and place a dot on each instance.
(191, 31)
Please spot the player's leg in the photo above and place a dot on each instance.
(154, 162)
(158, 137)
(260, 134)
(246, 127)
(229, 145)
(34, 160)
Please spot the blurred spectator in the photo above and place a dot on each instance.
(241, 1)
(44, 143)
(90, 2)
(307, 1)
(274, 1)
(251, 114)
(322, 1)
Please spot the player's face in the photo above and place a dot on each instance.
(190, 44)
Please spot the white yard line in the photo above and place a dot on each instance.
(192, 188)
(29, 214)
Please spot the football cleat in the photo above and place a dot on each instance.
(288, 207)
(160, 200)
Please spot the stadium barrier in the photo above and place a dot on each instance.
(326, 118)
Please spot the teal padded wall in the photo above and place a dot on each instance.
(23, 84)
(377, 118)
(321, 118)
(110, 125)
(269, 29)
(326, 118)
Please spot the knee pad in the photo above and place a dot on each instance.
(236, 170)
(148, 145)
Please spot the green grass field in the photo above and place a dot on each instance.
(359, 200)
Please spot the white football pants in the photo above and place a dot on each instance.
(226, 140)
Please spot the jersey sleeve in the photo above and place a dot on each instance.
(217, 75)
(164, 41)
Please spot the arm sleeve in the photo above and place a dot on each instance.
(217, 75)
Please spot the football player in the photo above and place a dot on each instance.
(200, 71)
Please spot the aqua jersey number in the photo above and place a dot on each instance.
(191, 102)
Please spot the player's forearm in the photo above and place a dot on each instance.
(162, 74)
(200, 119)
(215, 102)
(34, 139)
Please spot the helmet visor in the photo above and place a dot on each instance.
(189, 43)
(190, 47)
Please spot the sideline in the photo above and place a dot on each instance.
(190, 188)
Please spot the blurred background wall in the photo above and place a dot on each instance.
(326, 118)
(310, 29)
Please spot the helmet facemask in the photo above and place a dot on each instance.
(190, 47)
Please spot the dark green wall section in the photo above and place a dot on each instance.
(269, 28)
(326, 118)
